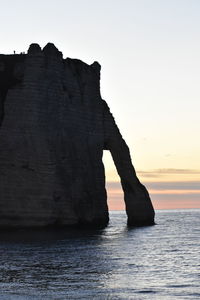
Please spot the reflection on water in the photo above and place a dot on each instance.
(157, 262)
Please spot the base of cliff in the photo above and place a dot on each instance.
(17, 223)
(140, 223)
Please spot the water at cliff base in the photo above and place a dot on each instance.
(156, 262)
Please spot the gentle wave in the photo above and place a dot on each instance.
(156, 262)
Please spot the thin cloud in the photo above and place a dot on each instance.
(164, 195)
(167, 171)
(194, 186)
(176, 197)
(173, 185)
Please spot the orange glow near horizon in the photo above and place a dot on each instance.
(184, 204)
(161, 199)
(174, 192)
(169, 188)
(158, 204)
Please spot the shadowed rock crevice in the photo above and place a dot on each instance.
(54, 130)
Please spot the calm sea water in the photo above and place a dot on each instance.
(157, 262)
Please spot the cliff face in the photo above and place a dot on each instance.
(54, 127)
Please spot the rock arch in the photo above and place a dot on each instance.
(54, 128)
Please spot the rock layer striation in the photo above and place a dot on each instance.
(54, 126)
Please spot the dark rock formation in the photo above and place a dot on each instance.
(54, 127)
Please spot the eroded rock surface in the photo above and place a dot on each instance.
(54, 127)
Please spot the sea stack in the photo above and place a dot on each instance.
(54, 126)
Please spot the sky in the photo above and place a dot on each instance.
(150, 77)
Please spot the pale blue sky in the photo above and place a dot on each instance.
(150, 56)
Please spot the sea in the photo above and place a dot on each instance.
(154, 262)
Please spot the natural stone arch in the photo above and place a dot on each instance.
(54, 129)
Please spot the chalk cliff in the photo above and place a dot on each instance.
(54, 127)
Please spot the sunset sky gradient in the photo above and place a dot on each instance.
(150, 57)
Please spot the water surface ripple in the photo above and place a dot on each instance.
(156, 262)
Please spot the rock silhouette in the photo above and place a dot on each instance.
(54, 127)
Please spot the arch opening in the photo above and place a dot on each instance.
(115, 195)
